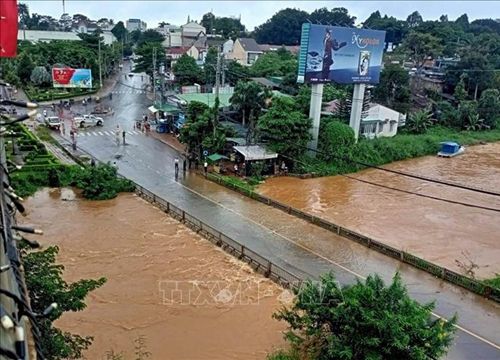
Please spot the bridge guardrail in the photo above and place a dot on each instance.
(455, 278)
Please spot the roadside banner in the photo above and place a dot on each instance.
(72, 78)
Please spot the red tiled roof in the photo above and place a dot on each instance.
(178, 50)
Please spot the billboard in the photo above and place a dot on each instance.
(339, 54)
(71, 78)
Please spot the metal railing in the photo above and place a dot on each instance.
(470, 284)
(258, 262)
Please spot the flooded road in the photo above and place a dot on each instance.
(189, 299)
(435, 230)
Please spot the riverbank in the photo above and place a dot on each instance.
(383, 151)
(450, 235)
(226, 311)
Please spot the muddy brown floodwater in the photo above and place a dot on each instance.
(437, 231)
(189, 299)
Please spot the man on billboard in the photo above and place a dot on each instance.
(330, 45)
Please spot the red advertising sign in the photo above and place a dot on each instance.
(62, 76)
(8, 28)
(71, 78)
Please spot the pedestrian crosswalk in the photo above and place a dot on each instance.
(106, 133)
(130, 91)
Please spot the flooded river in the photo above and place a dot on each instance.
(189, 299)
(435, 230)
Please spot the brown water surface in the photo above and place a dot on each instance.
(435, 230)
(220, 308)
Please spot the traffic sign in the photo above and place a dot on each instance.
(205, 152)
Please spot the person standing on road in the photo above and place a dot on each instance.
(184, 165)
(205, 167)
(117, 135)
(176, 165)
(123, 136)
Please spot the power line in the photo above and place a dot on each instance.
(419, 177)
(409, 192)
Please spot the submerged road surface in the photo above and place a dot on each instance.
(296, 245)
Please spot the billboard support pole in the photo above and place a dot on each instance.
(357, 108)
(315, 115)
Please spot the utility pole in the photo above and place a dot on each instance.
(154, 75)
(99, 58)
(217, 85)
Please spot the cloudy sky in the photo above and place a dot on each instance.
(253, 13)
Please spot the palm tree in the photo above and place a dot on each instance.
(419, 121)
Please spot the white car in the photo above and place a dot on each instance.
(53, 122)
(88, 120)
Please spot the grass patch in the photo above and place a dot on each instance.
(382, 151)
(234, 182)
(493, 282)
(36, 94)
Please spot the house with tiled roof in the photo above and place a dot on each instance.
(245, 51)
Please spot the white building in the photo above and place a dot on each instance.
(381, 121)
(192, 29)
(135, 24)
(42, 35)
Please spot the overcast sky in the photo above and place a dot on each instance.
(254, 13)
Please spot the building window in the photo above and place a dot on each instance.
(251, 58)
(380, 127)
(391, 128)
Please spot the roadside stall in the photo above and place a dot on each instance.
(256, 156)
(218, 165)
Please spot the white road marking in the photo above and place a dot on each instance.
(100, 133)
(130, 132)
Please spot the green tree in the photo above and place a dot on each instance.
(284, 127)
(120, 32)
(279, 63)
(460, 93)
(25, 66)
(46, 286)
(186, 71)
(144, 62)
(414, 19)
(198, 132)
(210, 66)
(394, 88)
(336, 140)
(208, 22)
(228, 27)
(284, 28)
(330, 92)
(249, 98)
(419, 121)
(335, 16)
(101, 182)
(421, 45)
(489, 107)
(40, 76)
(235, 72)
(150, 36)
(24, 15)
(135, 36)
(367, 320)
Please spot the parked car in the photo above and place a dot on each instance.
(88, 120)
(53, 122)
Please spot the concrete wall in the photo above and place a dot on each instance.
(381, 122)
(40, 35)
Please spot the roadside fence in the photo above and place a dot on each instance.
(453, 277)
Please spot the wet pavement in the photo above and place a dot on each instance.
(300, 247)
(186, 297)
(437, 231)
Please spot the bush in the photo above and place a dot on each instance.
(336, 140)
(367, 320)
(101, 182)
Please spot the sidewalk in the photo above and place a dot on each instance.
(170, 140)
